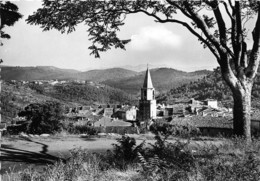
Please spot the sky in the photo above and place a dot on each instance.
(168, 45)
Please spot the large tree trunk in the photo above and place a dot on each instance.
(242, 110)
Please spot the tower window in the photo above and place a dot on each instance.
(145, 94)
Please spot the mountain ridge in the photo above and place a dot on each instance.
(130, 81)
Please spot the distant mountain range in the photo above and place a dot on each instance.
(52, 73)
(130, 81)
(142, 67)
(35, 73)
(163, 79)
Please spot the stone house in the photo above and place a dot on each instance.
(108, 112)
(126, 113)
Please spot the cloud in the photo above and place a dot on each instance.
(152, 37)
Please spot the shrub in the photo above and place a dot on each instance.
(15, 129)
(118, 130)
(85, 129)
(79, 129)
(124, 153)
(231, 168)
(127, 148)
(167, 161)
(175, 130)
(43, 117)
(82, 165)
(38, 88)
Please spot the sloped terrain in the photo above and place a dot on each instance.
(15, 96)
(51, 73)
(211, 86)
(163, 79)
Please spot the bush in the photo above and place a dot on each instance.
(175, 130)
(237, 169)
(38, 88)
(43, 117)
(15, 129)
(167, 161)
(79, 129)
(118, 130)
(124, 153)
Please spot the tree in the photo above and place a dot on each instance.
(224, 37)
(43, 117)
(8, 16)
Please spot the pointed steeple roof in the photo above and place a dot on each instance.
(147, 80)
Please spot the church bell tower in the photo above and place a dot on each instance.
(147, 104)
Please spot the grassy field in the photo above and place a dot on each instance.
(71, 157)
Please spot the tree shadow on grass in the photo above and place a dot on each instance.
(11, 154)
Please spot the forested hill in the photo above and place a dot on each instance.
(52, 73)
(163, 80)
(210, 86)
(35, 73)
(15, 96)
(106, 74)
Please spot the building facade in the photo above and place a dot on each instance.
(147, 103)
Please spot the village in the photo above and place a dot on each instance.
(208, 116)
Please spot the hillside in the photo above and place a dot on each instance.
(51, 73)
(163, 79)
(106, 74)
(210, 86)
(35, 73)
(15, 96)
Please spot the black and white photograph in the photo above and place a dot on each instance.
(129, 90)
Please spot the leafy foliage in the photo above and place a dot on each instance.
(125, 152)
(38, 88)
(8, 108)
(79, 129)
(43, 118)
(167, 161)
(9, 15)
(167, 130)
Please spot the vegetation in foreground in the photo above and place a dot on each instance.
(181, 160)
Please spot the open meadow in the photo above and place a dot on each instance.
(88, 158)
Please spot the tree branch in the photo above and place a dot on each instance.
(231, 5)
(180, 8)
(226, 8)
(239, 33)
(220, 22)
(254, 57)
(158, 19)
(243, 59)
(201, 24)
